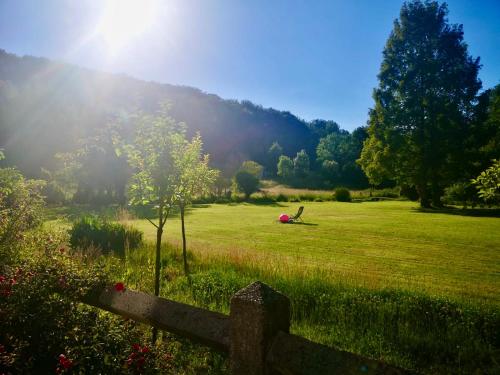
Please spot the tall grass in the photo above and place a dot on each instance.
(408, 329)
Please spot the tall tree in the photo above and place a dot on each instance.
(424, 102)
(301, 164)
(273, 154)
(285, 167)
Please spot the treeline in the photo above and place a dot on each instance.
(50, 112)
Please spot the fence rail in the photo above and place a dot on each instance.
(255, 334)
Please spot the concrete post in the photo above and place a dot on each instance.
(257, 314)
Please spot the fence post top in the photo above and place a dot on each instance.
(260, 294)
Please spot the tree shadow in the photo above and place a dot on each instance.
(308, 224)
(474, 212)
(268, 204)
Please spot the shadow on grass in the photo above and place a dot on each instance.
(268, 204)
(475, 212)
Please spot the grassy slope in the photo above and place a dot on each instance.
(380, 244)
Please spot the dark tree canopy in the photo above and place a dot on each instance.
(424, 103)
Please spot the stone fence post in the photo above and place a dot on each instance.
(257, 314)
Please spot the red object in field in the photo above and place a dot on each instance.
(284, 218)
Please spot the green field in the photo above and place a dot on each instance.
(378, 244)
(382, 279)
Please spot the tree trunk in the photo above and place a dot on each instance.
(159, 233)
(184, 252)
(424, 196)
(437, 193)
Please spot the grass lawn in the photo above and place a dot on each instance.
(361, 277)
(376, 244)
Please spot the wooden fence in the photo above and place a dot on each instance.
(255, 334)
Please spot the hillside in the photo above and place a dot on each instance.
(46, 107)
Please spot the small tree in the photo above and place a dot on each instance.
(156, 178)
(301, 164)
(246, 182)
(488, 183)
(285, 167)
(196, 178)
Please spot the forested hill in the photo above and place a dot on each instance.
(46, 107)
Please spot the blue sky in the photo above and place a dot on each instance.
(316, 59)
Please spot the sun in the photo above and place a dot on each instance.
(122, 21)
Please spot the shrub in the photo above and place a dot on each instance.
(247, 183)
(93, 231)
(460, 193)
(342, 195)
(281, 198)
(21, 206)
(488, 183)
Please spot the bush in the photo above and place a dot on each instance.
(247, 183)
(21, 206)
(342, 195)
(281, 198)
(93, 231)
(461, 193)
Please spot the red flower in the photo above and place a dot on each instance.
(2, 278)
(145, 349)
(65, 362)
(119, 287)
(136, 347)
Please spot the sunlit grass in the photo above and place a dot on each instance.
(374, 244)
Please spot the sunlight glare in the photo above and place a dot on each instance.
(124, 20)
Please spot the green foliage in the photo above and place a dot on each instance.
(97, 171)
(285, 167)
(342, 195)
(154, 180)
(427, 90)
(461, 194)
(409, 192)
(246, 182)
(374, 160)
(301, 164)
(488, 183)
(54, 193)
(252, 167)
(21, 204)
(91, 231)
(273, 156)
(337, 153)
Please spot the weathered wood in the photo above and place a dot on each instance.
(258, 313)
(207, 327)
(294, 355)
(255, 334)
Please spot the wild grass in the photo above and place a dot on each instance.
(408, 329)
